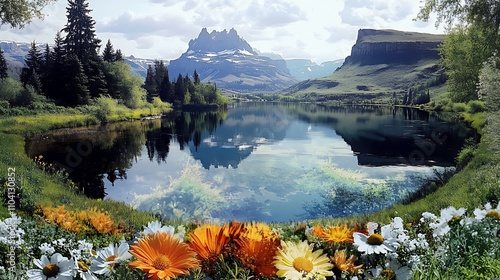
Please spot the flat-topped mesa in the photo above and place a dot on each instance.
(392, 46)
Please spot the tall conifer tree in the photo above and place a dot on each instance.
(109, 53)
(82, 41)
(150, 84)
(30, 74)
(3, 66)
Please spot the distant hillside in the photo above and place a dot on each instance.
(382, 63)
(303, 69)
(228, 60)
(294, 69)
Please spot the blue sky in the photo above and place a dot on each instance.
(312, 29)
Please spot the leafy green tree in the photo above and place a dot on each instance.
(3, 66)
(464, 50)
(19, 13)
(126, 87)
(483, 13)
(489, 83)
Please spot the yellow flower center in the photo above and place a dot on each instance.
(161, 262)
(110, 259)
(375, 239)
(83, 266)
(493, 214)
(389, 274)
(50, 270)
(303, 264)
(455, 220)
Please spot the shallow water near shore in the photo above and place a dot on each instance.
(257, 161)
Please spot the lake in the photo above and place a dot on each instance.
(271, 162)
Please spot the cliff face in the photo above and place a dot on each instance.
(391, 46)
(383, 64)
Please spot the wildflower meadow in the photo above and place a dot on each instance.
(60, 244)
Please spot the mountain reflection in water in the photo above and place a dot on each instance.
(257, 161)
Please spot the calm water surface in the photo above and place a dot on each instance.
(257, 161)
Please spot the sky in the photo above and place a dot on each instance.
(319, 30)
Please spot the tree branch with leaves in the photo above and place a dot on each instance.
(18, 13)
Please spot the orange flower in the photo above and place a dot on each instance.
(233, 229)
(163, 256)
(258, 254)
(101, 222)
(258, 231)
(317, 231)
(209, 242)
(346, 264)
(338, 234)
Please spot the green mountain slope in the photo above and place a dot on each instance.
(382, 63)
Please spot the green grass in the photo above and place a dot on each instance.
(473, 186)
(38, 188)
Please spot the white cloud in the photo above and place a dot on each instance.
(315, 29)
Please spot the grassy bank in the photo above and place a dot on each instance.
(36, 188)
(38, 191)
(475, 184)
(470, 187)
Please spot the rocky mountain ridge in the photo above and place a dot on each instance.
(224, 58)
(299, 69)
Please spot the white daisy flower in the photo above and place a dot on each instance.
(82, 267)
(375, 243)
(58, 267)
(488, 211)
(47, 249)
(108, 257)
(156, 226)
(441, 226)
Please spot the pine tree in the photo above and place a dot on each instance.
(3, 66)
(82, 41)
(410, 97)
(119, 55)
(166, 92)
(180, 90)
(160, 71)
(150, 85)
(33, 68)
(45, 71)
(58, 59)
(109, 53)
(196, 77)
(76, 84)
(80, 37)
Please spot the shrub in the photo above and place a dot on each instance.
(104, 107)
(10, 89)
(475, 106)
(465, 156)
(489, 83)
(459, 107)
